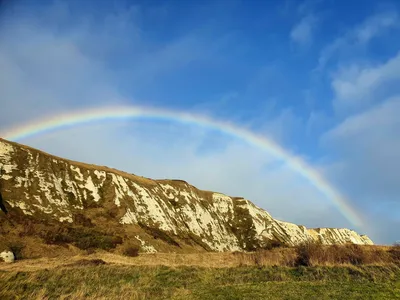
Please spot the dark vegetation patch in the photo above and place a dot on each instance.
(2, 207)
(81, 219)
(193, 239)
(395, 253)
(91, 204)
(159, 234)
(87, 263)
(82, 237)
(131, 250)
(272, 244)
(16, 247)
(312, 253)
(243, 228)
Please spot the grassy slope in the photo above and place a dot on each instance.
(141, 282)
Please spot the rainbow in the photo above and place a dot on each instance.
(71, 119)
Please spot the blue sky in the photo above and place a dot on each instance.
(319, 77)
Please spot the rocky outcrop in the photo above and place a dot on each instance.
(46, 187)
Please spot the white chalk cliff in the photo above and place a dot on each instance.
(42, 186)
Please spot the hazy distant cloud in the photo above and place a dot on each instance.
(52, 59)
(317, 122)
(43, 71)
(374, 25)
(367, 151)
(282, 126)
(302, 32)
(358, 86)
(359, 36)
(363, 148)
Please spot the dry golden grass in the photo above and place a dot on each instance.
(319, 256)
(160, 282)
(313, 254)
(206, 275)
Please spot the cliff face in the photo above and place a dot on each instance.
(40, 186)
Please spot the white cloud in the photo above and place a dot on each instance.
(282, 126)
(302, 32)
(366, 152)
(362, 151)
(357, 87)
(349, 43)
(317, 122)
(382, 116)
(42, 71)
(373, 26)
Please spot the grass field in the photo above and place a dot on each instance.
(194, 276)
(86, 280)
(305, 272)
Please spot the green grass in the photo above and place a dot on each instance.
(123, 282)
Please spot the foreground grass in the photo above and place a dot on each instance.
(140, 282)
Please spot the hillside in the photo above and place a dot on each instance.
(54, 201)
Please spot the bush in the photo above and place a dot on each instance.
(82, 220)
(395, 253)
(88, 263)
(310, 254)
(104, 242)
(29, 228)
(16, 248)
(307, 253)
(56, 235)
(356, 254)
(81, 237)
(131, 250)
(271, 244)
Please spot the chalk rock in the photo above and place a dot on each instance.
(7, 256)
(45, 187)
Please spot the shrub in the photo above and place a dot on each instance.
(56, 235)
(105, 242)
(81, 219)
(16, 248)
(257, 257)
(271, 244)
(82, 237)
(90, 251)
(355, 254)
(131, 250)
(29, 227)
(308, 252)
(88, 262)
(395, 253)
(243, 228)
